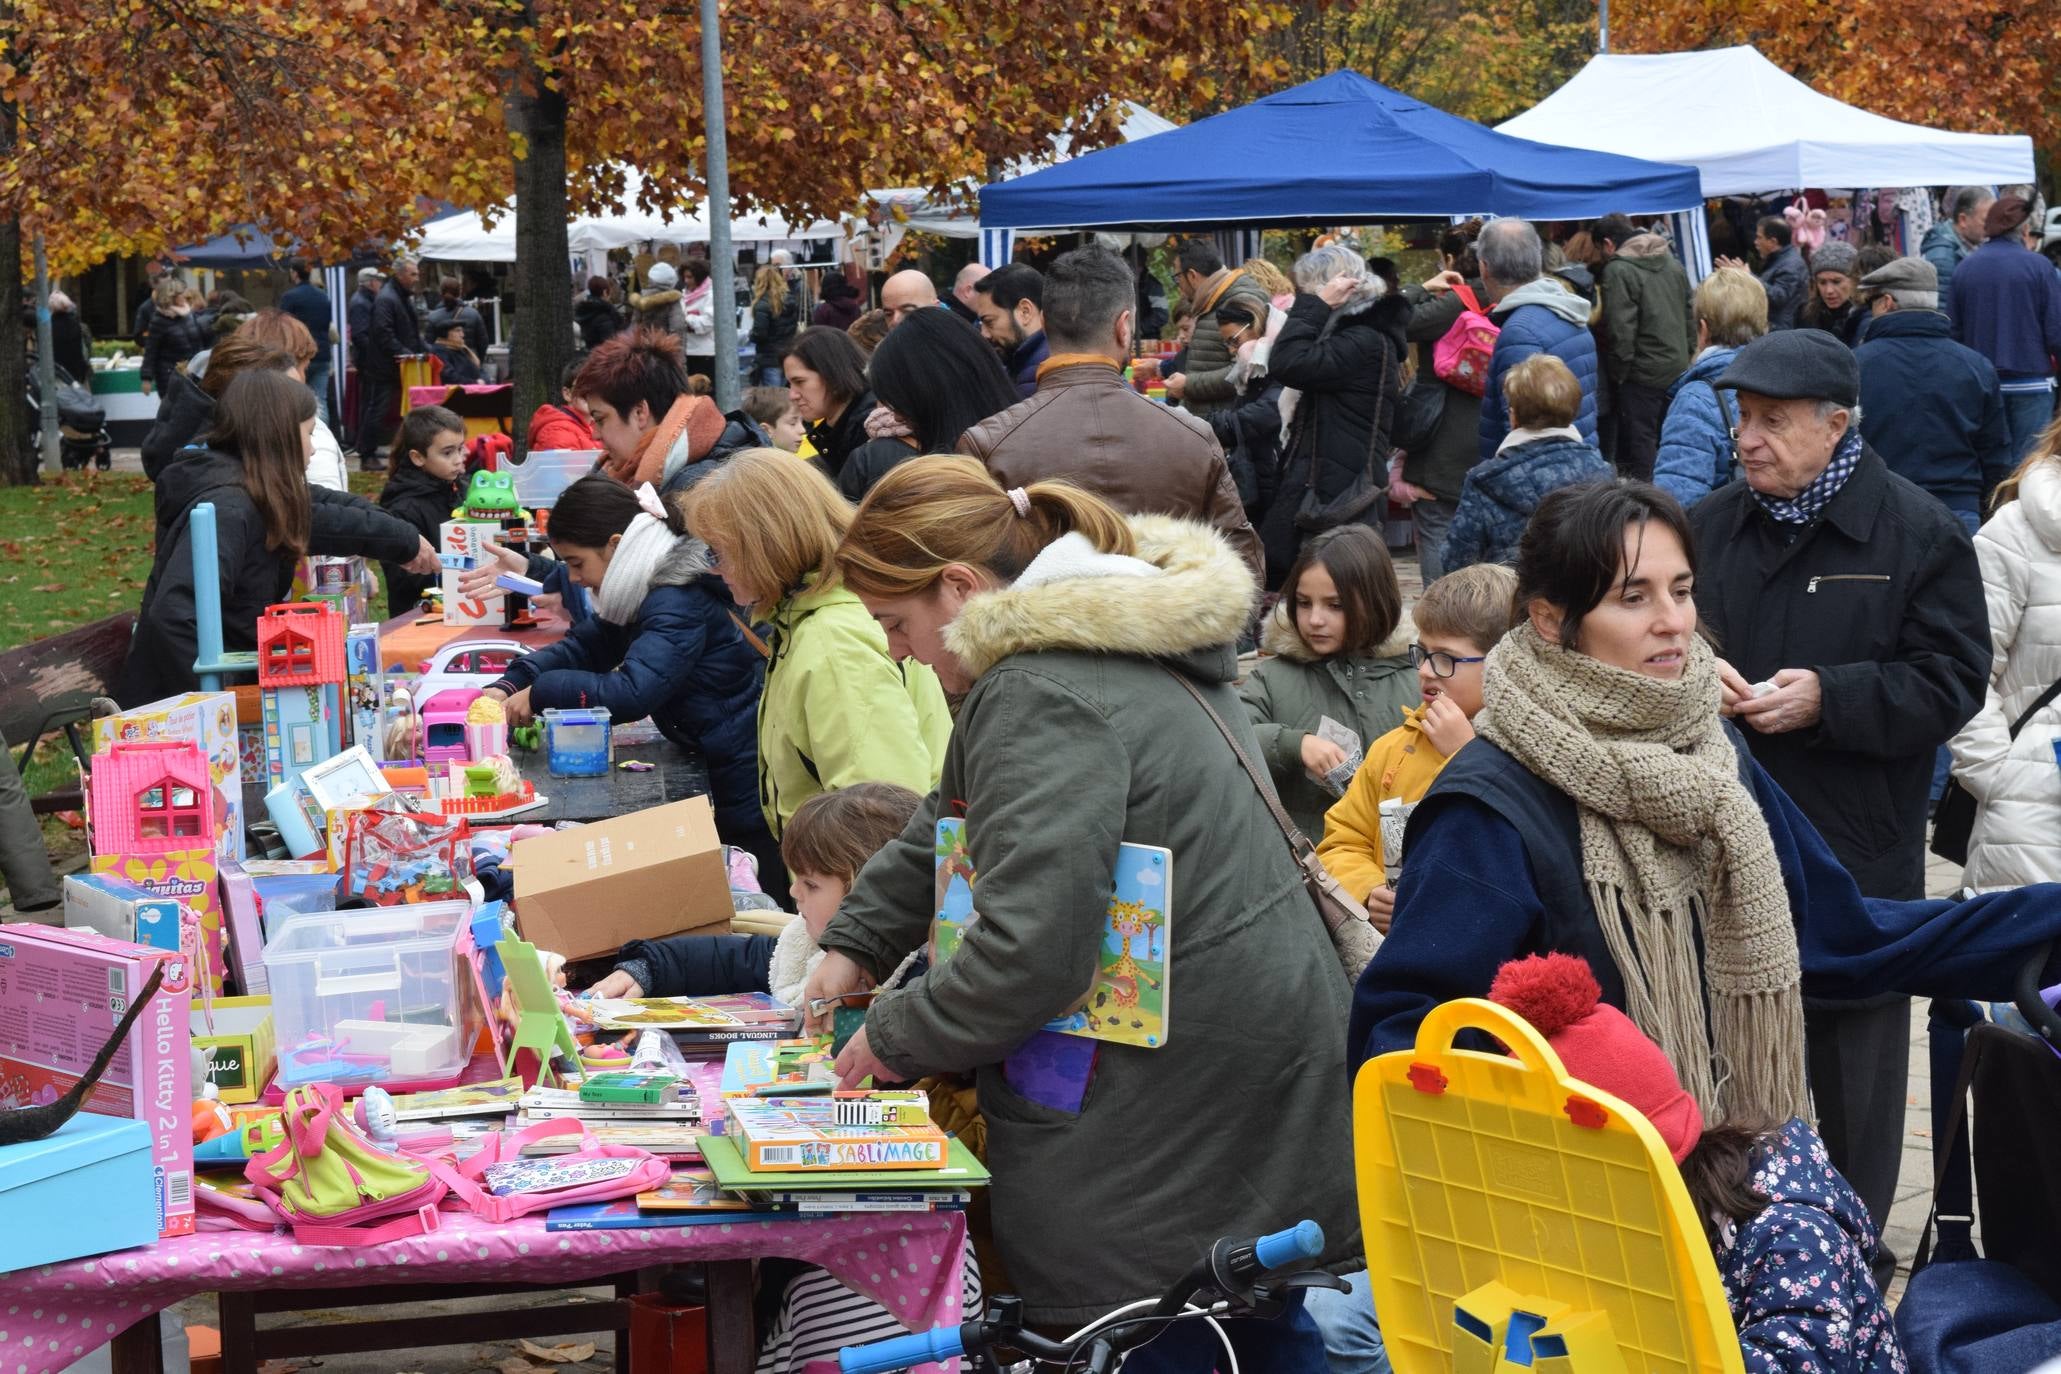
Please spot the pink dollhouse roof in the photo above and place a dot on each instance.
(308, 626)
(126, 772)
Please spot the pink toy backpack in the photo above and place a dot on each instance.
(1461, 356)
(327, 1179)
(499, 1185)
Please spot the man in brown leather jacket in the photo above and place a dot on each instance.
(1087, 426)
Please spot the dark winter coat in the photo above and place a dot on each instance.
(839, 313)
(1932, 409)
(1844, 324)
(395, 332)
(1024, 360)
(68, 342)
(1788, 284)
(358, 319)
(599, 320)
(773, 331)
(1944, 248)
(461, 368)
(702, 965)
(184, 412)
(1882, 597)
(173, 340)
(475, 324)
(1249, 429)
(425, 503)
(841, 438)
(2007, 307)
(870, 462)
(740, 432)
(1646, 314)
(1346, 365)
(253, 576)
(1207, 364)
(685, 663)
(1696, 452)
(1500, 495)
(1440, 464)
(1538, 317)
(309, 304)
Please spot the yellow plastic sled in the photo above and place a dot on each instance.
(1518, 1219)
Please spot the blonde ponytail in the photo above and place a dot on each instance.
(2046, 448)
(931, 512)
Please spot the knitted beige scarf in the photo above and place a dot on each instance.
(1672, 843)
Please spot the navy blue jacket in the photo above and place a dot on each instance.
(1493, 872)
(1528, 330)
(1932, 409)
(1498, 497)
(2006, 304)
(309, 304)
(701, 965)
(1696, 454)
(1023, 363)
(684, 662)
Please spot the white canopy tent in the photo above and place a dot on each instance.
(466, 238)
(1750, 127)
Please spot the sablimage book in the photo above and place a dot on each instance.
(791, 1133)
(1129, 1001)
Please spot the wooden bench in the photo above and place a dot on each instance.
(50, 684)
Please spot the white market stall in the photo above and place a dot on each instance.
(1750, 128)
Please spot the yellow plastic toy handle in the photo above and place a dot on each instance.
(1444, 1023)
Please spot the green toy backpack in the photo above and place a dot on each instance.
(328, 1179)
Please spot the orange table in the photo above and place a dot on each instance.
(406, 640)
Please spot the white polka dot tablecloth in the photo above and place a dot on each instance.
(52, 1314)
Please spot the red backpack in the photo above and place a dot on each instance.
(1461, 357)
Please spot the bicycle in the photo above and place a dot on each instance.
(1235, 1275)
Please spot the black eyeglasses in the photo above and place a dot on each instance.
(1442, 665)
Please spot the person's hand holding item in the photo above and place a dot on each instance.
(1338, 290)
(839, 975)
(1320, 755)
(425, 563)
(617, 984)
(1446, 726)
(1177, 386)
(1443, 282)
(1797, 703)
(1733, 688)
(1727, 262)
(856, 1063)
(1381, 907)
(548, 606)
(494, 560)
(515, 706)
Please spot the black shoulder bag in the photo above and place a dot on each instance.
(1953, 820)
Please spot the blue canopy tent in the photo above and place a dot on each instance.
(1337, 150)
(255, 248)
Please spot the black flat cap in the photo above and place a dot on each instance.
(1796, 364)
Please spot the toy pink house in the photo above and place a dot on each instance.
(443, 726)
(301, 675)
(154, 797)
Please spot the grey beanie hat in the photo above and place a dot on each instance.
(1835, 256)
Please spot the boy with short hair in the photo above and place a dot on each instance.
(1459, 619)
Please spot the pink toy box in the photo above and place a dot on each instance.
(61, 993)
(153, 812)
(207, 719)
(443, 726)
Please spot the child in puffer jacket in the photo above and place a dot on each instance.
(1542, 452)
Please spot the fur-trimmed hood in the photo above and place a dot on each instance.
(687, 561)
(653, 300)
(1278, 636)
(1199, 598)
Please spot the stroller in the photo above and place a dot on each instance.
(2002, 1311)
(82, 436)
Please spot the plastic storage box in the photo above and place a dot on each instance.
(541, 477)
(577, 741)
(372, 996)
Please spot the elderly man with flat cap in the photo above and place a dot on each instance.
(1929, 406)
(2007, 306)
(1848, 606)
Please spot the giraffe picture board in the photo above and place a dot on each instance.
(1131, 998)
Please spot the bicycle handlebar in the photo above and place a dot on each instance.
(900, 1352)
(1302, 1241)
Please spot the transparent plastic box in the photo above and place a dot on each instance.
(577, 741)
(542, 476)
(372, 996)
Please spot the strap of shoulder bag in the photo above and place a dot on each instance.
(2045, 700)
(1297, 841)
(1467, 298)
(1942, 1142)
(749, 637)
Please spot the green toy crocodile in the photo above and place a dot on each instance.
(490, 497)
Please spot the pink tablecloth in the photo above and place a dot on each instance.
(51, 1315)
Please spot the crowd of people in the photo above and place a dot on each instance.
(1719, 585)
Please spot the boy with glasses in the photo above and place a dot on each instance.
(1459, 619)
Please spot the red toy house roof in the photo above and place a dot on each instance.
(299, 643)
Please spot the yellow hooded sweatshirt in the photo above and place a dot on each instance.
(1401, 765)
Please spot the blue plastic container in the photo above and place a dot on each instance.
(577, 742)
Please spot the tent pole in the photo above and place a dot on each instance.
(721, 256)
(1602, 26)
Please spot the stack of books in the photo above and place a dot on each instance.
(703, 1027)
(667, 1126)
(694, 1197)
(779, 1068)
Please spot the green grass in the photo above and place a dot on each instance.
(74, 549)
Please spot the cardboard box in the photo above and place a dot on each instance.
(85, 1189)
(184, 875)
(464, 538)
(366, 688)
(241, 1050)
(61, 994)
(587, 891)
(121, 910)
(209, 720)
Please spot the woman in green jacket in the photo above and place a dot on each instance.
(1075, 635)
(837, 707)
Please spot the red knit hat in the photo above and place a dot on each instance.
(1558, 995)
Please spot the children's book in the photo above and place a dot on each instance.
(1128, 1003)
(630, 1087)
(540, 1103)
(549, 1175)
(808, 1134)
(623, 1214)
(691, 1190)
(473, 1099)
(960, 1172)
(782, 1068)
(677, 1140)
(699, 1020)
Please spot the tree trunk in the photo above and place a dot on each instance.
(543, 257)
(17, 442)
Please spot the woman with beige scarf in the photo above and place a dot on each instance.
(1606, 809)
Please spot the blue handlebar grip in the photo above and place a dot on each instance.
(1302, 1241)
(938, 1343)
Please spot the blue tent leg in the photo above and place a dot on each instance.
(207, 594)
